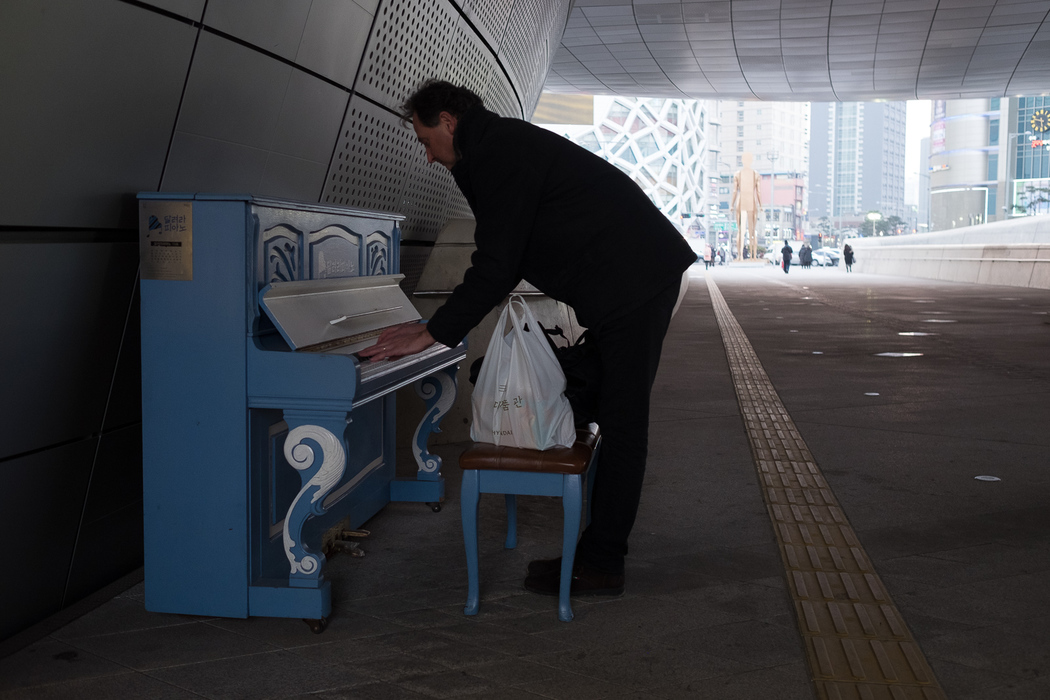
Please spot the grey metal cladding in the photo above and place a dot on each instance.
(470, 62)
(113, 503)
(490, 17)
(378, 162)
(272, 25)
(500, 97)
(532, 38)
(30, 497)
(430, 199)
(83, 291)
(324, 37)
(230, 93)
(202, 164)
(292, 178)
(308, 123)
(375, 154)
(251, 122)
(409, 43)
(335, 36)
(191, 9)
(83, 127)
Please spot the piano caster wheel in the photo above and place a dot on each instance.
(317, 626)
(436, 507)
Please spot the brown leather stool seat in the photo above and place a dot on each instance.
(557, 460)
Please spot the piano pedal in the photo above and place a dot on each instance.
(353, 548)
(343, 534)
(317, 626)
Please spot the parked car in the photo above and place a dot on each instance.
(826, 257)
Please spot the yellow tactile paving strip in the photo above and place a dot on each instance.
(857, 644)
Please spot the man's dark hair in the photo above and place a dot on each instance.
(435, 97)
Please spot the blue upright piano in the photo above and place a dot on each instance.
(261, 427)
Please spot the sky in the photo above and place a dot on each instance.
(916, 129)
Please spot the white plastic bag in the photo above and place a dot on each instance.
(519, 399)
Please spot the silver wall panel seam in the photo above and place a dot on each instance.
(178, 109)
(489, 18)
(123, 350)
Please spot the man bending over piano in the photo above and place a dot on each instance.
(582, 232)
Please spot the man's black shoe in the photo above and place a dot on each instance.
(543, 566)
(585, 581)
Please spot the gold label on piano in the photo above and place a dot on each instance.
(166, 240)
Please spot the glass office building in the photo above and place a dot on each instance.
(857, 161)
(989, 160)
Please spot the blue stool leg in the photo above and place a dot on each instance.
(572, 505)
(591, 468)
(470, 496)
(512, 521)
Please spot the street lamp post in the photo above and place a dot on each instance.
(728, 222)
(773, 155)
(873, 216)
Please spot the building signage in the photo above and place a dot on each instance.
(940, 113)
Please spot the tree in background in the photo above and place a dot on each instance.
(1031, 199)
(893, 226)
(875, 224)
(824, 229)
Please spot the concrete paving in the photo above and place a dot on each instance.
(707, 612)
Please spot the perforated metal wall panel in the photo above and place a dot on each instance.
(374, 156)
(457, 207)
(380, 165)
(430, 195)
(532, 36)
(409, 43)
(470, 62)
(490, 17)
(413, 260)
(499, 96)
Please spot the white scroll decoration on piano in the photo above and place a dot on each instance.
(438, 391)
(302, 457)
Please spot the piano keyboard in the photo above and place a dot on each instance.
(343, 342)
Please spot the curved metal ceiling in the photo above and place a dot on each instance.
(819, 50)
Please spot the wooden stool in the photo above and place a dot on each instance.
(514, 471)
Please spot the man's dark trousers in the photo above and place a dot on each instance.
(629, 350)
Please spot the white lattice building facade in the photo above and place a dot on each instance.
(659, 143)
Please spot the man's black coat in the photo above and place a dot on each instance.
(552, 213)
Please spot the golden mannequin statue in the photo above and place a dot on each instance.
(746, 201)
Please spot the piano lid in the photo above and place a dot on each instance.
(341, 315)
